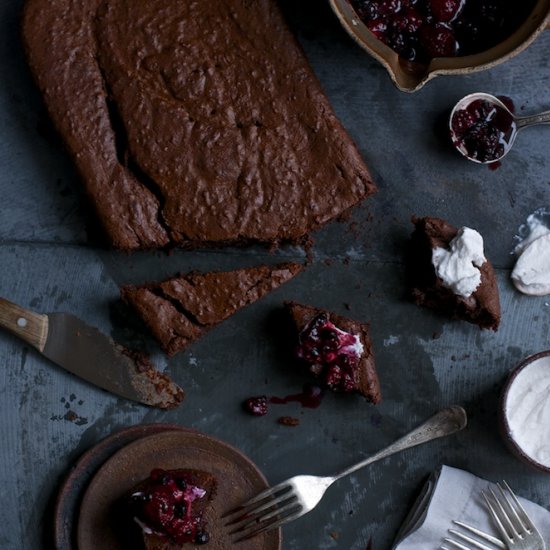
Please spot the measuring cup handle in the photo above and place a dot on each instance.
(540, 118)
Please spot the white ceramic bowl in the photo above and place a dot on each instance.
(523, 396)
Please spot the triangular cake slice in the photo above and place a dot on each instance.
(170, 508)
(481, 307)
(338, 350)
(180, 310)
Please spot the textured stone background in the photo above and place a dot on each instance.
(50, 263)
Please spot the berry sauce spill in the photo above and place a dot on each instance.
(332, 354)
(419, 30)
(483, 130)
(166, 508)
(310, 397)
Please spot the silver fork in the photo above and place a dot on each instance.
(514, 525)
(460, 538)
(298, 495)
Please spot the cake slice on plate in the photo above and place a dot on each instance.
(336, 349)
(449, 272)
(170, 508)
(180, 310)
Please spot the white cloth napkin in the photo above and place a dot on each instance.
(455, 494)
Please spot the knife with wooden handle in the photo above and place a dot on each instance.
(91, 355)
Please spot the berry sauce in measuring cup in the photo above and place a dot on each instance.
(484, 131)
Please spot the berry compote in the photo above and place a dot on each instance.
(165, 507)
(419, 30)
(483, 130)
(332, 354)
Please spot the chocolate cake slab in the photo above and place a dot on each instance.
(482, 307)
(192, 123)
(363, 376)
(181, 309)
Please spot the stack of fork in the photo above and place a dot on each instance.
(517, 531)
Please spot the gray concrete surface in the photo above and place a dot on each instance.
(50, 263)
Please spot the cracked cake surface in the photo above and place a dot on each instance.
(192, 123)
(181, 309)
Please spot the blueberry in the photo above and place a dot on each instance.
(181, 484)
(164, 479)
(180, 509)
(202, 538)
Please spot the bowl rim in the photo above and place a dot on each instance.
(506, 430)
(466, 64)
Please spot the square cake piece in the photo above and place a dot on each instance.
(169, 508)
(338, 350)
(180, 310)
(192, 123)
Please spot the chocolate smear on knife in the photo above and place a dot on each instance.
(156, 388)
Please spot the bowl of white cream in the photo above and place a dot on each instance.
(526, 411)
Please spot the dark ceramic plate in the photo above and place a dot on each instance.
(238, 479)
(72, 490)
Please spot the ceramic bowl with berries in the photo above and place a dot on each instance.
(416, 40)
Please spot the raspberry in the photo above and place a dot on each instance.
(446, 10)
(333, 377)
(409, 21)
(438, 40)
(256, 405)
(378, 27)
(462, 121)
(389, 7)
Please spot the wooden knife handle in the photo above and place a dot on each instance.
(29, 326)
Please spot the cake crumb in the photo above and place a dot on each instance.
(288, 421)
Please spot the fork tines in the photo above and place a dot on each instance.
(460, 538)
(509, 515)
(267, 510)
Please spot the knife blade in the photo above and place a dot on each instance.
(88, 353)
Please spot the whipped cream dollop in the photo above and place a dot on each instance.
(527, 410)
(458, 267)
(531, 274)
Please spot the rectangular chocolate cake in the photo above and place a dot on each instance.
(192, 123)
